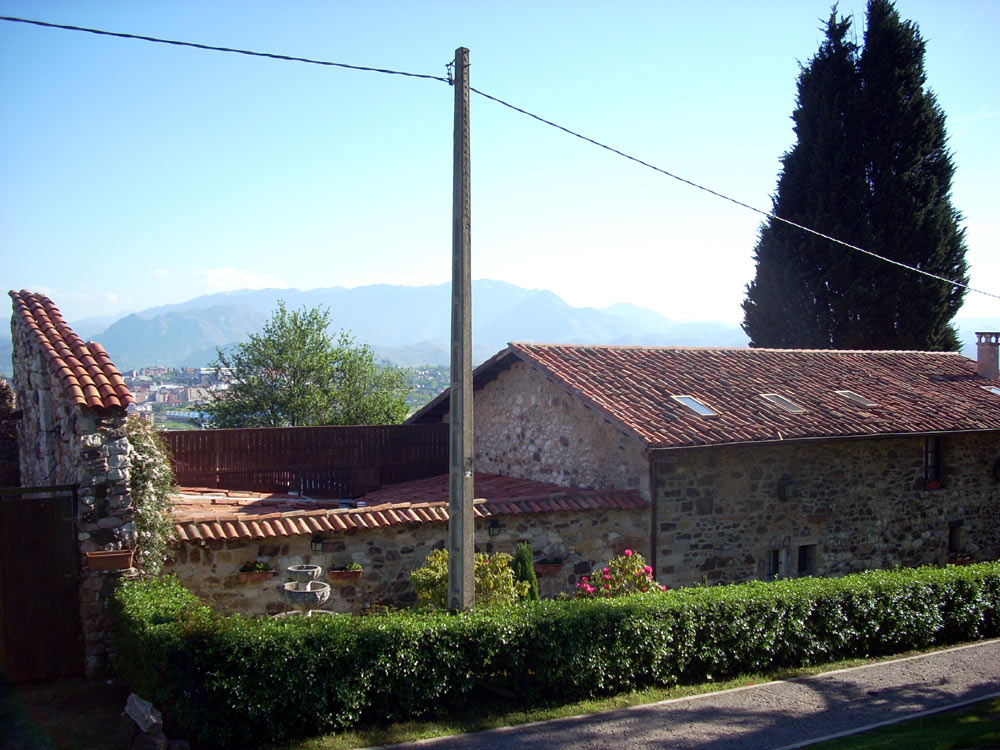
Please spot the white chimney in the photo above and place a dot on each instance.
(987, 361)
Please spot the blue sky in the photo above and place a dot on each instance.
(135, 174)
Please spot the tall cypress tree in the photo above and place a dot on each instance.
(870, 167)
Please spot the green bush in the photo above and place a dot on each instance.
(494, 578)
(524, 570)
(236, 682)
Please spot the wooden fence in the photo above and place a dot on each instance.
(332, 462)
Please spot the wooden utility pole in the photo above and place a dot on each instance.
(461, 530)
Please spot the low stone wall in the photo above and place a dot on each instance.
(858, 504)
(388, 555)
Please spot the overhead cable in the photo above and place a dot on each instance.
(251, 53)
(768, 214)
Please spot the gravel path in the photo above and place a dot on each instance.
(782, 714)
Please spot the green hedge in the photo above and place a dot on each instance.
(234, 681)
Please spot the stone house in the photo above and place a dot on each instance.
(758, 463)
(73, 401)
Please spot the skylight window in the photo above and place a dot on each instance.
(778, 400)
(695, 405)
(992, 389)
(856, 398)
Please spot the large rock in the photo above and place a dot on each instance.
(141, 711)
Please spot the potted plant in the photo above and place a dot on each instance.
(345, 572)
(256, 570)
(548, 566)
(110, 559)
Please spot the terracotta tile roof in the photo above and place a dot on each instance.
(914, 392)
(203, 514)
(91, 379)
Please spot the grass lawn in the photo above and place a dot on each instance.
(976, 726)
(77, 714)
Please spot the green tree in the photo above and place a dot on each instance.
(870, 166)
(293, 373)
(524, 569)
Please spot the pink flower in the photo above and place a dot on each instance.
(606, 570)
(584, 578)
(648, 569)
(663, 588)
(607, 585)
(628, 553)
(607, 577)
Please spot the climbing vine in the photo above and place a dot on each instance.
(151, 482)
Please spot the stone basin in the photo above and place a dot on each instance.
(305, 594)
(304, 572)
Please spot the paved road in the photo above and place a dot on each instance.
(784, 714)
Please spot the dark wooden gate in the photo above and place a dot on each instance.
(39, 583)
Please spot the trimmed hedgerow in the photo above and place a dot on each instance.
(234, 681)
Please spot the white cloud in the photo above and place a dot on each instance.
(229, 279)
(161, 272)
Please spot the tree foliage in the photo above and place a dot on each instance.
(294, 373)
(870, 166)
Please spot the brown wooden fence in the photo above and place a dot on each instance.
(319, 461)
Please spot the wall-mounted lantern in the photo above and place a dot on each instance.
(494, 528)
(316, 545)
(786, 487)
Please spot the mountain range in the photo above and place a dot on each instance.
(407, 325)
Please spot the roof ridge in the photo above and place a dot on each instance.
(84, 368)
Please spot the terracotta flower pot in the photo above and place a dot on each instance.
(547, 569)
(344, 575)
(113, 559)
(256, 576)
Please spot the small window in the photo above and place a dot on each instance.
(695, 405)
(807, 560)
(992, 389)
(932, 462)
(784, 403)
(773, 564)
(955, 542)
(856, 398)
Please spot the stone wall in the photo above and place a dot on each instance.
(527, 426)
(862, 503)
(61, 443)
(389, 555)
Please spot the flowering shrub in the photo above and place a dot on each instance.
(624, 574)
(151, 482)
(494, 579)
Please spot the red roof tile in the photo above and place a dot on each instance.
(226, 515)
(914, 392)
(85, 369)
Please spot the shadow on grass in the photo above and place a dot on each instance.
(65, 714)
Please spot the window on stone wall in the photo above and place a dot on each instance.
(807, 560)
(955, 542)
(932, 462)
(773, 564)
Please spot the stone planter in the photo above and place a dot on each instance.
(344, 575)
(305, 595)
(256, 576)
(114, 559)
(548, 569)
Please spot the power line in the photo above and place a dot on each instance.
(768, 214)
(251, 53)
(448, 80)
